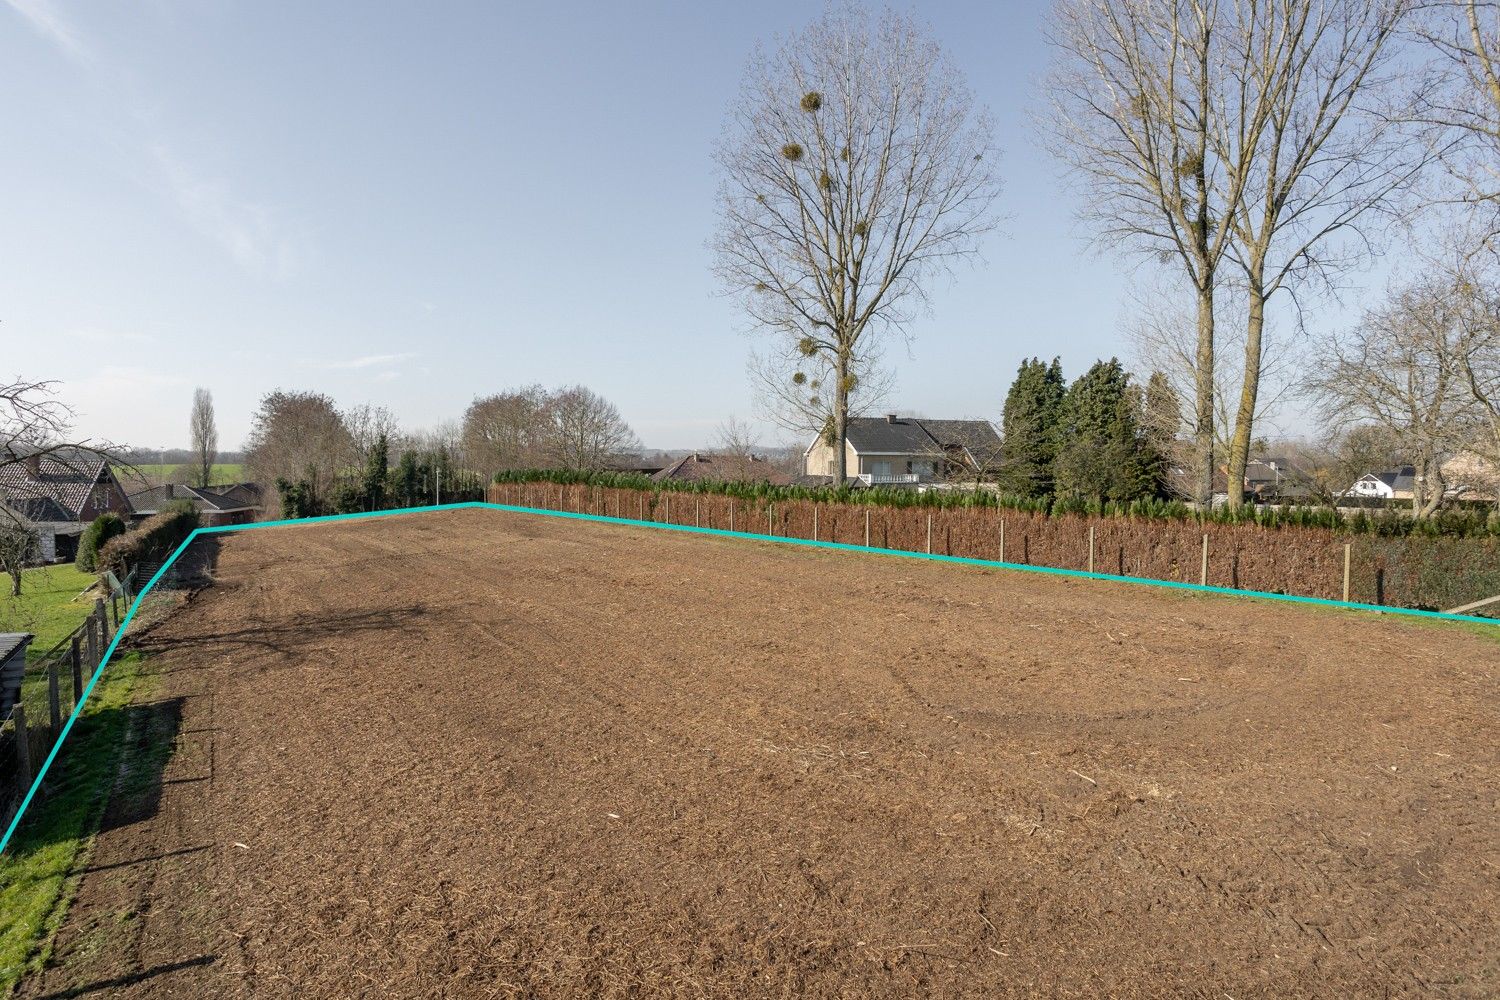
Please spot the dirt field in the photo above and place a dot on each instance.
(482, 754)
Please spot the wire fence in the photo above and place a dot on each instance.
(1435, 574)
(51, 688)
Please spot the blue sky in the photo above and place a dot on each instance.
(411, 205)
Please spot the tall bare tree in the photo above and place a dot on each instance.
(795, 392)
(1316, 82)
(1465, 106)
(1136, 93)
(855, 165)
(1403, 370)
(205, 437)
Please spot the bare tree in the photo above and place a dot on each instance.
(509, 430)
(795, 392)
(1136, 93)
(205, 437)
(34, 426)
(299, 436)
(734, 447)
(587, 429)
(18, 547)
(1315, 82)
(1465, 106)
(855, 165)
(1164, 338)
(1402, 370)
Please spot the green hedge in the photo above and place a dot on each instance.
(94, 538)
(153, 539)
(1463, 523)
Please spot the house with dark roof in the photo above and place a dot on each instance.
(704, 467)
(1393, 484)
(236, 504)
(907, 451)
(58, 495)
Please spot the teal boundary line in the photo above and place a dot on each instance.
(692, 529)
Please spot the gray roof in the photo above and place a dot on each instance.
(893, 435)
(1401, 480)
(12, 641)
(229, 498)
(66, 481)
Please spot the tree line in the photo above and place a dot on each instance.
(325, 460)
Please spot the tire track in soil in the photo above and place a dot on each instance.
(829, 776)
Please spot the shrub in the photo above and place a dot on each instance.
(153, 539)
(103, 528)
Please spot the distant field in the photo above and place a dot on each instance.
(223, 474)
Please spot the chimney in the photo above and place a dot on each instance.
(890, 418)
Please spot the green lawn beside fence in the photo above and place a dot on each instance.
(40, 869)
(51, 605)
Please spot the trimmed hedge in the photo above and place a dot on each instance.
(152, 540)
(95, 537)
(1461, 523)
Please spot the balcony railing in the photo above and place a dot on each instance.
(890, 479)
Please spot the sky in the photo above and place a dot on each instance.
(411, 205)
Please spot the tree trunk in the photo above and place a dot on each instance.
(1244, 418)
(15, 582)
(841, 420)
(1429, 497)
(1203, 431)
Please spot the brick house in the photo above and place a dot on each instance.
(58, 495)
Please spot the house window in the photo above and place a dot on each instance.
(881, 468)
(908, 466)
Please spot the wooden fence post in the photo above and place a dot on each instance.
(929, 534)
(1091, 548)
(770, 529)
(1347, 550)
(815, 522)
(103, 624)
(1203, 567)
(92, 636)
(23, 748)
(668, 498)
(731, 513)
(77, 670)
(867, 527)
(54, 700)
(1002, 539)
(696, 522)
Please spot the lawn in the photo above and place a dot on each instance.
(223, 474)
(39, 870)
(51, 605)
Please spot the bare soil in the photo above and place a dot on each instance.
(486, 754)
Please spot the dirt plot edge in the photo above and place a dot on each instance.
(632, 522)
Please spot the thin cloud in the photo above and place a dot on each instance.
(368, 361)
(53, 26)
(251, 233)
